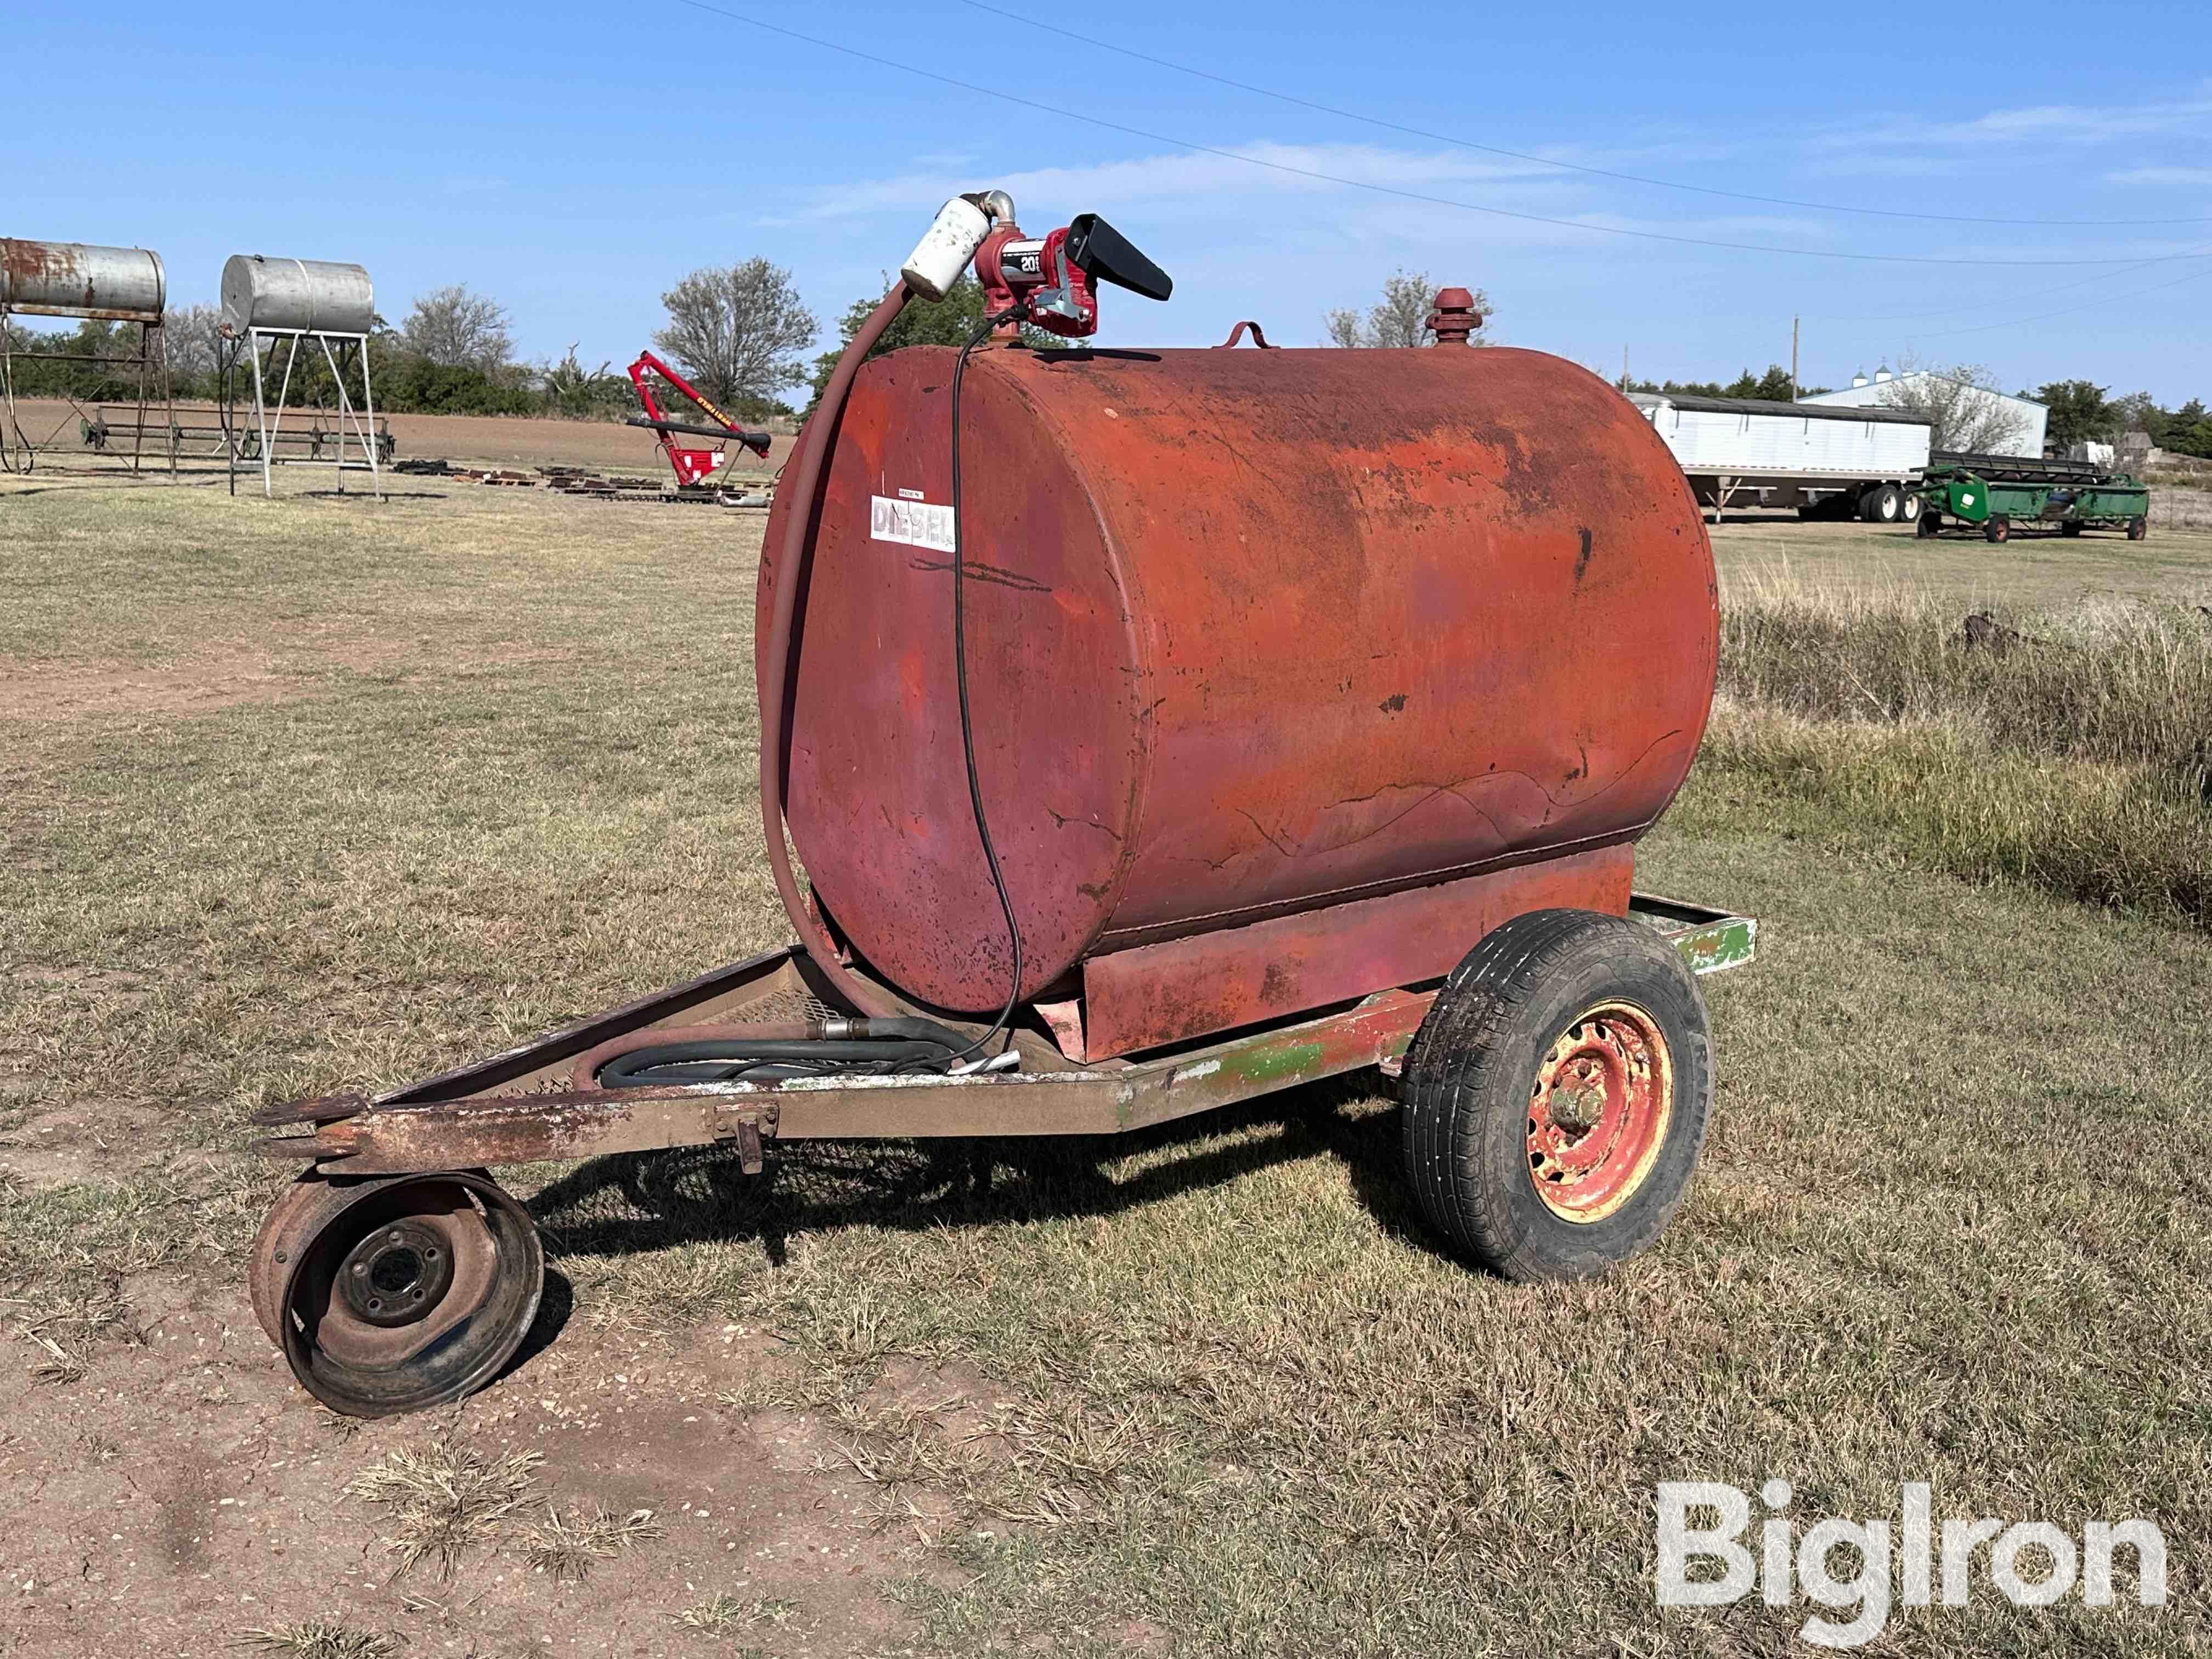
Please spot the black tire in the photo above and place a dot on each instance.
(1910, 507)
(2138, 528)
(2070, 527)
(1930, 523)
(1882, 504)
(1475, 1079)
(1998, 529)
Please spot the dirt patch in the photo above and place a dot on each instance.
(185, 1491)
(222, 676)
(60, 691)
(82, 1142)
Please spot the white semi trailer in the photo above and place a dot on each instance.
(1825, 461)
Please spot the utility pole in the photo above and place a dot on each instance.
(1793, 360)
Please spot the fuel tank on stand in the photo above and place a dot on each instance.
(1292, 672)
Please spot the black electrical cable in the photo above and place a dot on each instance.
(1005, 1019)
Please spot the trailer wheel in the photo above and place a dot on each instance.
(1999, 528)
(2070, 527)
(1930, 523)
(1556, 1095)
(391, 1294)
(2138, 528)
(1882, 504)
(1910, 507)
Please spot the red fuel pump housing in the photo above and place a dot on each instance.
(1292, 672)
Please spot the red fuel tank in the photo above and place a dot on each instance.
(1251, 635)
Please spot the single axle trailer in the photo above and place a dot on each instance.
(2003, 494)
(1279, 793)
(396, 1273)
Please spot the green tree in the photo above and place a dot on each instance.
(737, 332)
(2078, 413)
(1401, 317)
(2140, 412)
(1773, 386)
(952, 321)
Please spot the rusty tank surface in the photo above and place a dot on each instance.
(1286, 646)
(74, 279)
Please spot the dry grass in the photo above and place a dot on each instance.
(446, 1503)
(567, 1545)
(1951, 1223)
(2029, 573)
(722, 1614)
(2117, 681)
(318, 1638)
(2074, 753)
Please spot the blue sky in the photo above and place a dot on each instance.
(574, 159)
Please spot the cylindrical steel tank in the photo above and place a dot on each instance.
(313, 295)
(1250, 633)
(74, 279)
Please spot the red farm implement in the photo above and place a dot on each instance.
(692, 467)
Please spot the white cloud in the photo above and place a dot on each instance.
(2072, 123)
(1173, 176)
(2194, 176)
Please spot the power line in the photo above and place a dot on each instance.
(2040, 294)
(2068, 311)
(1061, 113)
(1548, 161)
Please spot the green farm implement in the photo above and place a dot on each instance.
(2001, 494)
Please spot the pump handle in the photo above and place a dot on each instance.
(1104, 254)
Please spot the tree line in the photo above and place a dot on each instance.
(742, 334)
(452, 355)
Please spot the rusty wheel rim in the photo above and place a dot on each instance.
(402, 1293)
(1599, 1111)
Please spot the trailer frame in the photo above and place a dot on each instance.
(516, 1107)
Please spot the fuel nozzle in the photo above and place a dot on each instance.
(1054, 279)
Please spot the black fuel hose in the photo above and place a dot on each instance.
(730, 1062)
(804, 468)
(1006, 1020)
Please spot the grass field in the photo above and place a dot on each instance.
(309, 794)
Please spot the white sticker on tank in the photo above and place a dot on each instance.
(916, 524)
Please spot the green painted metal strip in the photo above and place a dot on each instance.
(1730, 942)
